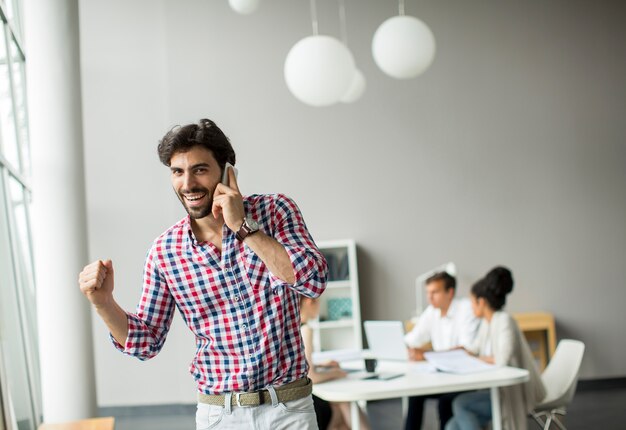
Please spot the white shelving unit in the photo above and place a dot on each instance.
(333, 330)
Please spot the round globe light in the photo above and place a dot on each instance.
(356, 88)
(319, 70)
(244, 7)
(403, 47)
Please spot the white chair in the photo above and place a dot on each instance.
(559, 378)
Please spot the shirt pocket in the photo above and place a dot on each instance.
(208, 416)
(256, 270)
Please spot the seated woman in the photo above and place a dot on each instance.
(333, 415)
(499, 341)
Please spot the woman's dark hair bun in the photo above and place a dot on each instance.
(500, 280)
(494, 287)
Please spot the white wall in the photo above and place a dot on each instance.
(509, 150)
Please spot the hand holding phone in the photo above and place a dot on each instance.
(225, 180)
(227, 200)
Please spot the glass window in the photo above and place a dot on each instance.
(2, 397)
(20, 381)
(9, 8)
(14, 12)
(18, 77)
(22, 251)
(8, 136)
(12, 339)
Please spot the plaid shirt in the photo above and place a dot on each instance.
(245, 319)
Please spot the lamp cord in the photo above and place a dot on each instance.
(401, 7)
(314, 17)
(342, 22)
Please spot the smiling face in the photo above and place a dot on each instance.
(195, 174)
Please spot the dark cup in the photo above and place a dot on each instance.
(370, 364)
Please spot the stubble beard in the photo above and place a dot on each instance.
(201, 211)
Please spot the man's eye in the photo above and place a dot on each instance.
(200, 171)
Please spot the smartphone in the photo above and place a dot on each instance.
(381, 377)
(225, 174)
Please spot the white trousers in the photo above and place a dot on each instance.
(297, 414)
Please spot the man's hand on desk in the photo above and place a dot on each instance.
(331, 373)
(328, 365)
(487, 359)
(331, 370)
(416, 354)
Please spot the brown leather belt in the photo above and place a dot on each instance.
(292, 391)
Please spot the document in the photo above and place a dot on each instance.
(457, 361)
(421, 367)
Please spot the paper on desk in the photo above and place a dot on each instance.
(337, 355)
(457, 361)
(421, 367)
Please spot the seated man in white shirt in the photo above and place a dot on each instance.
(446, 323)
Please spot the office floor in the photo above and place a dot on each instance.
(591, 409)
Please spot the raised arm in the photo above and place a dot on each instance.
(96, 282)
(289, 252)
(273, 254)
(141, 334)
(306, 261)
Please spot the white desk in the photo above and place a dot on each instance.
(353, 388)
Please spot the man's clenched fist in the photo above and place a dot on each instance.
(96, 282)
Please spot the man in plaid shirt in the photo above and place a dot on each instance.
(235, 268)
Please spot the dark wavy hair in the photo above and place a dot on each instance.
(494, 287)
(205, 134)
(449, 281)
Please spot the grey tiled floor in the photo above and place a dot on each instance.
(590, 410)
(165, 417)
(156, 422)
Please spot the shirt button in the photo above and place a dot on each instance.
(236, 298)
(244, 325)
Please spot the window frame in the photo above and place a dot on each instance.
(16, 177)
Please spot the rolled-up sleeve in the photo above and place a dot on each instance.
(478, 344)
(468, 326)
(309, 265)
(149, 325)
(504, 345)
(420, 335)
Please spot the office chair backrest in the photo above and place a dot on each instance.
(561, 375)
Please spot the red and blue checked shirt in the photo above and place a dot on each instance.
(245, 319)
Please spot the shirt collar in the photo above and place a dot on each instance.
(451, 310)
(190, 238)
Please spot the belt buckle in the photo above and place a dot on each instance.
(238, 400)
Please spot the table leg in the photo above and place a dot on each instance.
(355, 415)
(496, 415)
(405, 407)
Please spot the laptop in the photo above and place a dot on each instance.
(386, 340)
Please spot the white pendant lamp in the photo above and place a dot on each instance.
(356, 88)
(358, 84)
(403, 46)
(244, 7)
(319, 70)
